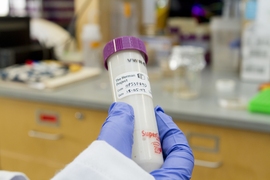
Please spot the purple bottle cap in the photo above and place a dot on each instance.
(123, 43)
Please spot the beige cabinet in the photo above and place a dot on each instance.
(225, 153)
(41, 147)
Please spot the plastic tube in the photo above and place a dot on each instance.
(126, 59)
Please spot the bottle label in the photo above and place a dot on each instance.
(132, 83)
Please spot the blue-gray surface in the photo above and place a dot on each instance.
(95, 93)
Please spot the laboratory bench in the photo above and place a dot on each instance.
(42, 131)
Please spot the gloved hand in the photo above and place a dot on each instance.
(118, 128)
(178, 157)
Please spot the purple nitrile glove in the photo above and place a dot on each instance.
(178, 157)
(118, 132)
(118, 128)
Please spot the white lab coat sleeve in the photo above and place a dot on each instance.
(102, 162)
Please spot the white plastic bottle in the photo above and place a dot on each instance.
(91, 38)
(255, 66)
(225, 37)
(126, 59)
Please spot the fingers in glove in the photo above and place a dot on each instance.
(118, 128)
(179, 159)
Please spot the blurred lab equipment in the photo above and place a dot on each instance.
(52, 35)
(91, 38)
(16, 45)
(225, 38)
(264, 86)
(124, 18)
(228, 96)
(14, 31)
(4, 7)
(161, 47)
(17, 8)
(154, 16)
(33, 72)
(256, 45)
(45, 75)
(91, 41)
(59, 12)
(201, 10)
(149, 17)
(126, 59)
(249, 11)
(186, 62)
(162, 12)
(188, 32)
(260, 103)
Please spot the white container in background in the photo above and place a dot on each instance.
(149, 17)
(126, 58)
(225, 38)
(124, 18)
(186, 63)
(263, 12)
(255, 46)
(91, 39)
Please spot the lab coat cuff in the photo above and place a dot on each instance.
(102, 161)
